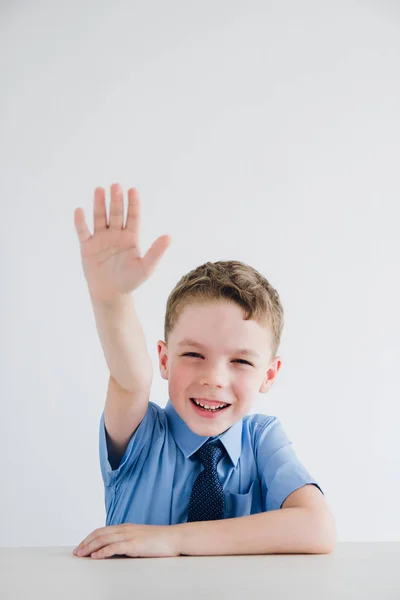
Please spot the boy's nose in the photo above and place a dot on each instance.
(216, 378)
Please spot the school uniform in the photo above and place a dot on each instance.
(153, 481)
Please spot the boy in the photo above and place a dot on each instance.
(200, 476)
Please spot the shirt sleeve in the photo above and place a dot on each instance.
(149, 429)
(281, 472)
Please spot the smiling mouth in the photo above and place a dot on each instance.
(213, 410)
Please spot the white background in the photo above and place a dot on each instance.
(266, 132)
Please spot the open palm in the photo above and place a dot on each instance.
(111, 258)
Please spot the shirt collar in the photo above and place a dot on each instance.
(189, 442)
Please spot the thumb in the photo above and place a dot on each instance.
(154, 254)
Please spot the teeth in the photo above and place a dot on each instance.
(208, 407)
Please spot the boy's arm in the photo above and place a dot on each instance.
(131, 371)
(114, 267)
(304, 525)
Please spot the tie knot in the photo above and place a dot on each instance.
(210, 454)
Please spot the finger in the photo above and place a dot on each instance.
(116, 207)
(81, 227)
(155, 253)
(101, 542)
(133, 214)
(120, 548)
(99, 210)
(98, 532)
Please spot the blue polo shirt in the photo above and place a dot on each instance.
(154, 479)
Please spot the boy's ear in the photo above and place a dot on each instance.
(163, 358)
(271, 375)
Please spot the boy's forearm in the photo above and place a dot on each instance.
(123, 342)
(284, 531)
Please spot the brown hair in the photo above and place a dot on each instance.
(233, 281)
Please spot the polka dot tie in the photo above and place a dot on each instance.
(207, 497)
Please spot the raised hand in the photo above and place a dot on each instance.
(111, 258)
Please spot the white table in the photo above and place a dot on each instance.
(353, 571)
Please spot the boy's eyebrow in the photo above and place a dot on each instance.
(189, 342)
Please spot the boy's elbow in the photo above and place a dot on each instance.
(328, 534)
(327, 546)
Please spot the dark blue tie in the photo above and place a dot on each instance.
(207, 497)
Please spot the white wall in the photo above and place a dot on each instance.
(266, 132)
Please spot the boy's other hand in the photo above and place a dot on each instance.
(111, 258)
(131, 540)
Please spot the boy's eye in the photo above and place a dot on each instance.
(241, 360)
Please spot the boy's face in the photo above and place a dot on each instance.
(217, 370)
